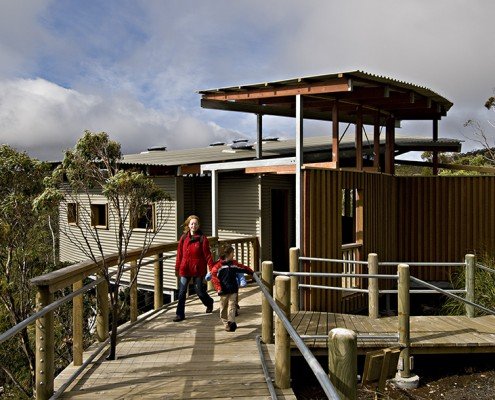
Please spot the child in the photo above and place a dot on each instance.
(224, 279)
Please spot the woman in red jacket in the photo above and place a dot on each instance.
(193, 257)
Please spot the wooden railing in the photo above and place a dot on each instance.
(247, 251)
(351, 252)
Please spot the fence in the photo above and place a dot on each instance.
(247, 251)
(345, 379)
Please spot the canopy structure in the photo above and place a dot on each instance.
(377, 96)
(356, 97)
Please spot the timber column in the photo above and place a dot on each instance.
(45, 350)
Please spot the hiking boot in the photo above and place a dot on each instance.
(209, 309)
(233, 326)
(178, 318)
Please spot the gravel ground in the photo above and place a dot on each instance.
(459, 377)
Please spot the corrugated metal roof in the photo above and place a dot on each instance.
(271, 149)
(357, 74)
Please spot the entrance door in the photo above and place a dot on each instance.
(280, 229)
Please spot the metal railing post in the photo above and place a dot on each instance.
(266, 309)
(342, 362)
(45, 342)
(373, 304)
(158, 281)
(470, 274)
(404, 321)
(282, 339)
(294, 280)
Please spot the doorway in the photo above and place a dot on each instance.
(280, 229)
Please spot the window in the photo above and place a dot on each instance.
(146, 220)
(72, 214)
(99, 215)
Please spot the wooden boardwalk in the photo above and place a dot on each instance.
(196, 358)
(429, 334)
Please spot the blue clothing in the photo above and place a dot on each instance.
(200, 291)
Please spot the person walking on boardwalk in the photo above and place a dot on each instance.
(193, 258)
(224, 279)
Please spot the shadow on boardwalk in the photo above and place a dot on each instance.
(196, 358)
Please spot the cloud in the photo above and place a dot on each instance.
(132, 68)
(44, 119)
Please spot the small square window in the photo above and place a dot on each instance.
(72, 214)
(146, 220)
(99, 215)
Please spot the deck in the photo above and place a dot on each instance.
(429, 334)
(195, 358)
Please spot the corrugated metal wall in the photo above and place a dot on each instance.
(238, 206)
(405, 219)
(444, 218)
(69, 252)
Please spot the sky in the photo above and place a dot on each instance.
(133, 68)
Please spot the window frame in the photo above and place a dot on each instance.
(135, 220)
(74, 213)
(96, 224)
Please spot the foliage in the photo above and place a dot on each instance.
(25, 252)
(484, 288)
(476, 158)
(93, 168)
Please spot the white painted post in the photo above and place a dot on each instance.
(342, 362)
(299, 164)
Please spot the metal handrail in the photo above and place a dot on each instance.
(484, 268)
(423, 264)
(268, 379)
(421, 282)
(334, 260)
(334, 274)
(315, 366)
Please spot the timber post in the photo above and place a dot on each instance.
(77, 325)
(133, 293)
(373, 305)
(45, 342)
(404, 322)
(158, 281)
(342, 362)
(294, 280)
(256, 254)
(470, 267)
(102, 320)
(282, 339)
(266, 309)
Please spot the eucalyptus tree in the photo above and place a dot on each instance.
(25, 252)
(93, 169)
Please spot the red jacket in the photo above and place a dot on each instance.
(193, 255)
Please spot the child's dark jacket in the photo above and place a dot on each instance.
(223, 276)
